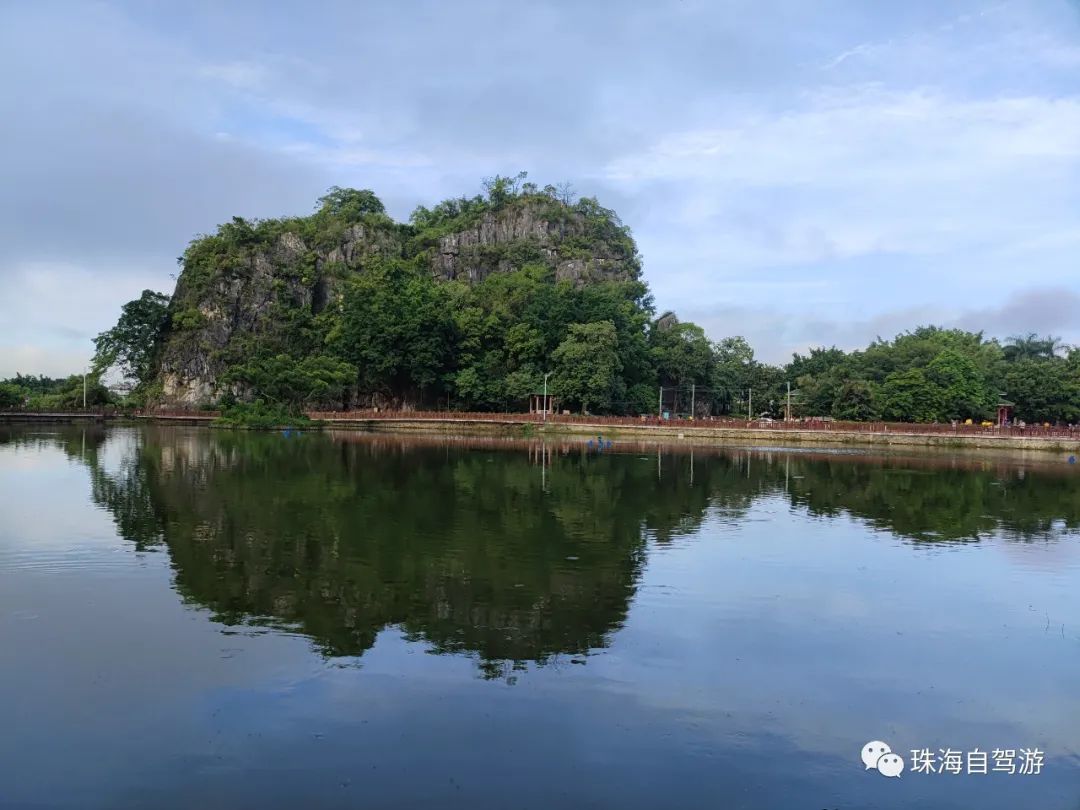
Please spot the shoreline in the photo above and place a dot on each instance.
(675, 434)
(709, 436)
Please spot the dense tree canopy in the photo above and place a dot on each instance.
(932, 374)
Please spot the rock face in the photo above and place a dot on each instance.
(223, 315)
(239, 291)
(503, 240)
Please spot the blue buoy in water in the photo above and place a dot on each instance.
(1072, 459)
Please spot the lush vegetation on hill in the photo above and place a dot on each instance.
(334, 330)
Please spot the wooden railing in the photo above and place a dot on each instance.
(176, 413)
(1033, 431)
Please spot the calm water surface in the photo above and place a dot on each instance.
(193, 618)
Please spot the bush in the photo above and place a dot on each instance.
(258, 415)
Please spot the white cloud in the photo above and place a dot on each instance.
(870, 171)
(775, 334)
(52, 312)
(37, 359)
(811, 163)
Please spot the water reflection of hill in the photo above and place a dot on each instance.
(468, 550)
(511, 551)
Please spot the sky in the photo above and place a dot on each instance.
(797, 173)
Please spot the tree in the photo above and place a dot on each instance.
(1043, 390)
(69, 393)
(349, 204)
(1031, 347)
(683, 357)
(733, 372)
(11, 395)
(963, 392)
(819, 361)
(907, 396)
(857, 401)
(294, 384)
(132, 345)
(587, 365)
(395, 328)
(502, 189)
(815, 394)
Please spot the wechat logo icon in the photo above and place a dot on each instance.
(878, 756)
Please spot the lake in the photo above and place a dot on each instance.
(202, 618)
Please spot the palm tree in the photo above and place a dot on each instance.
(1032, 347)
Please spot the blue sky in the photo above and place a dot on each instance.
(798, 173)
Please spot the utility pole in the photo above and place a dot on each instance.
(693, 389)
(660, 407)
(750, 405)
(789, 401)
(84, 390)
(548, 374)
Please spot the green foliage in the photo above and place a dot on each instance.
(12, 396)
(35, 385)
(133, 344)
(187, 319)
(395, 328)
(350, 204)
(741, 384)
(908, 396)
(961, 388)
(53, 393)
(682, 354)
(289, 384)
(856, 401)
(1043, 390)
(1031, 347)
(932, 374)
(259, 415)
(67, 394)
(587, 365)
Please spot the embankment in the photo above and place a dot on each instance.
(1065, 442)
(703, 434)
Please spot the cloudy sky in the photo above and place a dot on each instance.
(799, 173)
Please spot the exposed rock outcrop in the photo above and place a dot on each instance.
(506, 239)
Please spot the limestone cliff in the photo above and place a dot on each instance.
(255, 286)
(506, 239)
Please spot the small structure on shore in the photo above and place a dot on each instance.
(540, 402)
(1004, 413)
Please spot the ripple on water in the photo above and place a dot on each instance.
(49, 560)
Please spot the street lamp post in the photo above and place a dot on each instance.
(548, 374)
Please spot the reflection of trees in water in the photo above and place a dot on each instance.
(945, 501)
(475, 549)
(463, 549)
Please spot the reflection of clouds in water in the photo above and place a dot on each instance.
(36, 478)
(822, 634)
(1057, 554)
